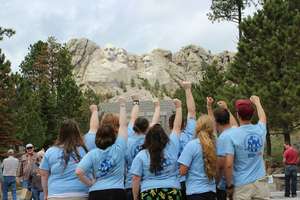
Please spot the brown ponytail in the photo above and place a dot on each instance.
(205, 133)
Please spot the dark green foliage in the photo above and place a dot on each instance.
(6, 32)
(268, 63)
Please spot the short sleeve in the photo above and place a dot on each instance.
(262, 126)
(186, 156)
(174, 138)
(45, 162)
(137, 165)
(190, 127)
(220, 147)
(228, 146)
(121, 143)
(130, 130)
(86, 163)
(89, 140)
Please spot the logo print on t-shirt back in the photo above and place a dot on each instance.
(253, 144)
(105, 166)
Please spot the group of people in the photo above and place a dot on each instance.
(213, 157)
(24, 171)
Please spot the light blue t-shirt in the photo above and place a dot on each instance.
(106, 165)
(187, 135)
(247, 146)
(221, 152)
(62, 180)
(89, 140)
(134, 146)
(166, 178)
(196, 179)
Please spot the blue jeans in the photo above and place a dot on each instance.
(290, 179)
(9, 181)
(36, 194)
(25, 184)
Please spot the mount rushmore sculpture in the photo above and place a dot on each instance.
(114, 71)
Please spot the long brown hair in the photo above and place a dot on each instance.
(155, 141)
(111, 119)
(205, 133)
(69, 139)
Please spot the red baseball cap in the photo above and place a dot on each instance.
(244, 108)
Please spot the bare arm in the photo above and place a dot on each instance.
(183, 170)
(94, 121)
(220, 168)
(228, 169)
(178, 117)
(135, 109)
(191, 107)
(209, 103)
(136, 187)
(232, 120)
(83, 178)
(260, 111)
(44, 180)
(123, 131)
(156, 115)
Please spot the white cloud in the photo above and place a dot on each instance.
(137, 25)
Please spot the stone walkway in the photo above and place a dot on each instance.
(280, 195)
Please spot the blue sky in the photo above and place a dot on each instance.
(136, 25)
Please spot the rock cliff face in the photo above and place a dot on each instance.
(112, 71)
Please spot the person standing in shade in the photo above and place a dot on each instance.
(137, 129)
(58, 166)
(290, 160)
(10, 167)
(35, 178)
(107, 161)
(244, 165)
(25, 166)
(155, 169)
(198, 162)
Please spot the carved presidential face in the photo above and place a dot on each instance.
(109, 52)
(122, 55)
(147, 61)
(132, 62)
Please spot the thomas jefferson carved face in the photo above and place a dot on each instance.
(122, 55)
(109, 52)
(147, 61)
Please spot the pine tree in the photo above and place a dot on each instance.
(268, 63)
(229, 10)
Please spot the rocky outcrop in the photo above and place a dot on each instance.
(114, 71)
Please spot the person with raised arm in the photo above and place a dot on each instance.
(89, 138)
(155, 169)
(244, 164)
(224, 125)
(107, 161)
(136, 139)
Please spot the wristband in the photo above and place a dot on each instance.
(136, 102)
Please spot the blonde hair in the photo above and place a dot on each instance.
(205, 133)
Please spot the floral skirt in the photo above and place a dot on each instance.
(161, 194)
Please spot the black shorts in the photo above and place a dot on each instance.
(112, 194)
(202, 196)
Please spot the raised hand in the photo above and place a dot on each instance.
(254, 99)
(177, 103)
(156, 102)
(209, 101)
(93, 108)
(186, 85)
